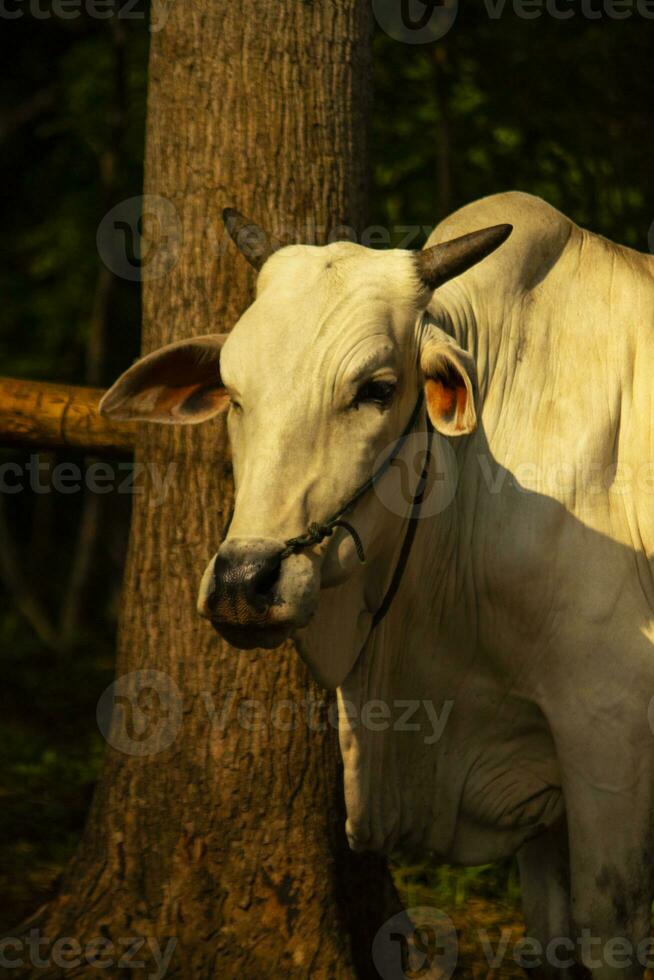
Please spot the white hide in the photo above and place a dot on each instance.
(528, 603)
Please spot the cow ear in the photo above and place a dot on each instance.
(179, 384)
(450, 384)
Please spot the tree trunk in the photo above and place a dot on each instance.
(219, 817)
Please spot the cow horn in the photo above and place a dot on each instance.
(440, 263)
(255, 243)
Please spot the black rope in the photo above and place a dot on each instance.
(412, 527)
(316, 533)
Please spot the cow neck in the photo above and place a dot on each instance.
(316, 533)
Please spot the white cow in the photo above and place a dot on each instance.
(501, 705)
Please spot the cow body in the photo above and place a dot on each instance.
(502, 705)
(527, 603)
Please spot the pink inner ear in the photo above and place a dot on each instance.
(180, 383)
(200, 399)
(446, 400)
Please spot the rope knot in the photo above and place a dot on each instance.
(319, 531)
(316, 533)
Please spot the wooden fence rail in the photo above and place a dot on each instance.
(53, 416)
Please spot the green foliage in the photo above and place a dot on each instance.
(444, 886)
(50, 757)
(555, 108)
(72, 116)
(61, 113)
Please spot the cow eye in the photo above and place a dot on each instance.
(376, 392)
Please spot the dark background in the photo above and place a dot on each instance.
(560, 108)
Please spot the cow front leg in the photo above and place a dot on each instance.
(545, 887)
(609, 829)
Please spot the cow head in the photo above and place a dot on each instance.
(318, 378)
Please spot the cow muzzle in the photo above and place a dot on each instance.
(252, 598)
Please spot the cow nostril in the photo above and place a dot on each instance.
(243, 589)
(267, 576)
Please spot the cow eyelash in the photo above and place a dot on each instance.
(376, 393)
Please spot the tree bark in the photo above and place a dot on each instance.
(219, 817)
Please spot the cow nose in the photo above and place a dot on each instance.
(243, 588)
